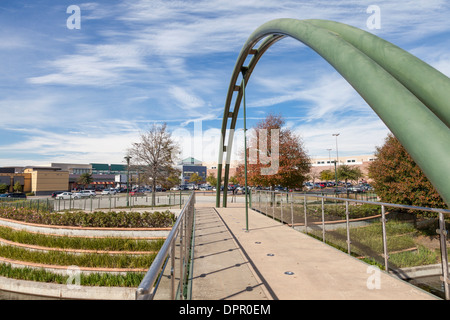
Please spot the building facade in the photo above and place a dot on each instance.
(46, 180)
(188, 167)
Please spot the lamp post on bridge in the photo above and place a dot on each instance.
(128, 177)
(337, 160)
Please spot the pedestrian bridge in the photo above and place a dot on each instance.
(269, 261)
(272, 261)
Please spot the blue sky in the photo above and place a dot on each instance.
(84, 95)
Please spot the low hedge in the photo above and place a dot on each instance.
(97, 219)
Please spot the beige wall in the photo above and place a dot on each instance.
(46, 181)
(27, 180)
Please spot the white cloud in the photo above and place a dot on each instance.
(185, 99)
(171, 61)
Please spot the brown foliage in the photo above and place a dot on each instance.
(398, 179)
(293, 162)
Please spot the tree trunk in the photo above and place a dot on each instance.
(153, 191)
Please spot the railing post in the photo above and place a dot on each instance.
(281, 206)
(172, 271)
(305, 209)
(444, 260)
(273, 199)
(323, 221)
(292, 209)
(267, 205)
(348, 226)
(180, 287)
(385, 250)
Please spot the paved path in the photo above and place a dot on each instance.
(232, 263)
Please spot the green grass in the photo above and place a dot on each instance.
(423, 256)
(130, 279)
(367, 242)
(81, 260)
(103, 244)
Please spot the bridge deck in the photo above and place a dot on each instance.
(231, 263)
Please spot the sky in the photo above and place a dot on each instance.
(80, 86)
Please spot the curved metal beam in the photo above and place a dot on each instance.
(407, 94)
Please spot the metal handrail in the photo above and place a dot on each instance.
(443, 235)
(183, 227)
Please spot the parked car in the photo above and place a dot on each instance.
(87, 193)
(357, 188)
(109, 191)
(68, 195)
(137, 193)
(14, 195)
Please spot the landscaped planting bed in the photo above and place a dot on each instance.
(111, 255)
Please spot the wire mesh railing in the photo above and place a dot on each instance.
(45, 204)
(169, 199)
(407, 241)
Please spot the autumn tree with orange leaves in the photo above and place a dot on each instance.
(271, 142)
(398, 179)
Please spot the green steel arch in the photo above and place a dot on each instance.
(409, 96)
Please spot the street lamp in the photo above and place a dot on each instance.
(128, 175)
(337, 159)
(337, 154)
(245, 150)
(329, 157)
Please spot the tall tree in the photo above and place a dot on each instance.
(211, 179)
(195, 178)
(398, 179)
(85, 179)
(279, 159)
(156, 154)
(347, 173)
(326, 175)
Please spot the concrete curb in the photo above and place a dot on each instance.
(144, 233)
(66, 291)
(72, 251)
(64, 269)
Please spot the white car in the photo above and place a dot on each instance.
(109, 191)
(68, 195)
(87, 193)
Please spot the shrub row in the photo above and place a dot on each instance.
(97, 219)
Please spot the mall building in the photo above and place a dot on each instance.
(59, 177)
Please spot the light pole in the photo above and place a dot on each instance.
(245, 150)
(128, 175)
(329, 157)
(337, 160)
(337, 154)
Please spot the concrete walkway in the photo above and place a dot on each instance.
(274, 262)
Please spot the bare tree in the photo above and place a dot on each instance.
(155, 154)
